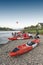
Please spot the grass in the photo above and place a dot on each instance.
(34, 30)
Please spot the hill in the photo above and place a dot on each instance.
(6, 29)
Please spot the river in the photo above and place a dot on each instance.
(4, 36)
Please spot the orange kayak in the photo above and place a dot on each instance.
(18, 38)
(21, 49)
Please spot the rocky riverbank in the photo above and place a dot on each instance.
(34, 57)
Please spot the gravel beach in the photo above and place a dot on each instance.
(34, 57)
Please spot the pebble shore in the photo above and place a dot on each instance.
(34, 57)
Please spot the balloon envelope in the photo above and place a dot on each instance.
(17, 22)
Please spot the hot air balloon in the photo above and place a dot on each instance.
(16, 22)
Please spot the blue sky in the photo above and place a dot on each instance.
(26, 12)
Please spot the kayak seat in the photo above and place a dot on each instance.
(14, 50)
(30, 44)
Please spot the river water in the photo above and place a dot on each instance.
(4, 36)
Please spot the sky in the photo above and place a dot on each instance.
(25, 12)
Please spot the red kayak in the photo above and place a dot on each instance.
(21, 49)
(18, 38)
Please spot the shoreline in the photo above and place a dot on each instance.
(34, 57)
(1, 45)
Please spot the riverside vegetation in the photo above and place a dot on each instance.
(34, 29)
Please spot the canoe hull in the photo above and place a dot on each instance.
(18, 38)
